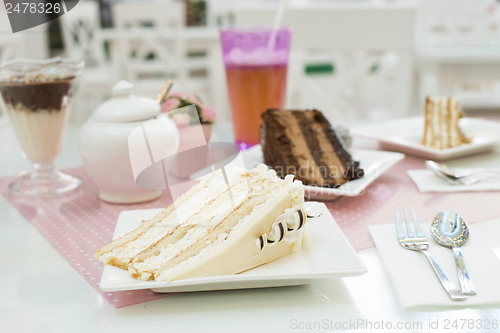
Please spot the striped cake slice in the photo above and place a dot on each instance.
(441, 123)
(215, 228)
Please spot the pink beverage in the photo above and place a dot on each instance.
(256, 77)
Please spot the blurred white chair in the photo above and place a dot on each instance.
(458, 47)
(453, 22)
(220, 13)
(81, 32)
(356, 38)
(149, 45)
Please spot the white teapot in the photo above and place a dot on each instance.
(108, 157)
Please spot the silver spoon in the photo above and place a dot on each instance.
(450, 230)
(460, 177)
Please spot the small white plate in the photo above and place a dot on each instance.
(326, 253)
(405, 135)
(373, 162)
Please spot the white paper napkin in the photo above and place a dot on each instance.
(415, 282)
(426, 181)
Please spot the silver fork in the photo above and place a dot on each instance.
(417, 242)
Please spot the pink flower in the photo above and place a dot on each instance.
(208, 114)
(171, 104)
(193, 98)
(179, 99)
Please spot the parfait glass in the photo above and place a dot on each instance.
(37, 95)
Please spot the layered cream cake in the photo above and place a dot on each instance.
(302, 143)
(228, 223)
(441, 128)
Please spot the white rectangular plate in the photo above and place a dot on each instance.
(326, 253)
(373, 162)
(405, 135)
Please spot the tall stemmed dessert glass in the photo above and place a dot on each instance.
(37, 94)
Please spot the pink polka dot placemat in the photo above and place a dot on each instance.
(78, 224)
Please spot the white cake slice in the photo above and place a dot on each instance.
(441, 128)
(226, 224)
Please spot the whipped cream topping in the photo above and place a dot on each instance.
(39, 71)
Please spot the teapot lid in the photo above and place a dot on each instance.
(126, 107)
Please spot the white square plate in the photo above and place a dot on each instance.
(373, 162)
(326, 253)
(405, 135)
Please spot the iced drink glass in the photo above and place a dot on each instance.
(256, 72)
(36, 94)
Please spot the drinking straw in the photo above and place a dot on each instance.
(277, 23)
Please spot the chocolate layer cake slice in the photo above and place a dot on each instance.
(302, 143)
